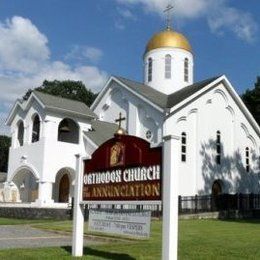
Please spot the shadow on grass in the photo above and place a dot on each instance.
(248, 221)
(98, 253)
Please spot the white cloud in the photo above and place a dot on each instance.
(220, 15)
(22, 46)
(25, 61)
(123, 15)
(126, 13)
(119, 25)
(240, 23)
(88, 53)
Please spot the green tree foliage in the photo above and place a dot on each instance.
(5, 143)
(75, 90)
(251, 99)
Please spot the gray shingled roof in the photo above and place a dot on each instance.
(64, 104)
(101, 131)
(163, 100)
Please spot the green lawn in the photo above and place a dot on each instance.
(15, 221)
(199, 239)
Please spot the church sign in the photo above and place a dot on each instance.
(123, 168)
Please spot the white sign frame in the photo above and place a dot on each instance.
(171, 148)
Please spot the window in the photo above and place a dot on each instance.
(218, 148)
(247, 160)
(148, 134)
(68, 131)
(36, 129)
(186, 70)
(20, 135)
(183, 147)
(150, 69)
(168, 66)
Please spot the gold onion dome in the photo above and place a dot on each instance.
(168, 38)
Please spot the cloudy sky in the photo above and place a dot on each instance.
(90, 40)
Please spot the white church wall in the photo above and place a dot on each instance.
(140, 117)
(216, 111)
(187, 126)
(25, 154)
(58, 154)
(115, 101)
(176, 82)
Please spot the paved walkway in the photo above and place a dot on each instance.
(23, 236)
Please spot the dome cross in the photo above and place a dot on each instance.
(169, 15)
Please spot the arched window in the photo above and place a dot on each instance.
(218, 148)
(150, 69)
(183, 146)
(68, 131)
(36, 129)
(168, 66)
(20, 135)
(186, 70)
(247, 160)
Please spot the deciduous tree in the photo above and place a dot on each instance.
(75, 90)
(5, 143)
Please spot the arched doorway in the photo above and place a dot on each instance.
(64, 188)
(216, 188)
(27, 186)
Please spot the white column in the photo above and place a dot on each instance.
(44, 194)
(78, 211)
(171, 160)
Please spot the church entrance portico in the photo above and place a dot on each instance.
(63, 186)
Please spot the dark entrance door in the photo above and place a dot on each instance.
(64, 188)
(216, 195)
(216, 188)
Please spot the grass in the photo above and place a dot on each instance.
(15, 221)
(198, 239)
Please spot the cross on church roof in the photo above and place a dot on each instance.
(120, 119)
(168, 12)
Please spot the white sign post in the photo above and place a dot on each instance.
(171, 158)
(78, 211)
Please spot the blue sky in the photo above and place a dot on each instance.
(90, 40)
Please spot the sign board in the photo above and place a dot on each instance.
(124, 168)
(120, 222)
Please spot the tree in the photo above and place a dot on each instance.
(5, 143)
(75, 90)
(251, 99)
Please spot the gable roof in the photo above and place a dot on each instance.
(151, 94)
(101, 131)
(53, 103)
(68, 105)
(180, 95)
(163, 100)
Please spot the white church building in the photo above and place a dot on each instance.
(219, 140)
